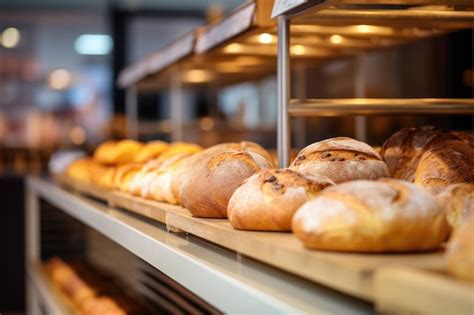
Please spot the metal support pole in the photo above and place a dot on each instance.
(299, 123)
(32, 246)
(283, 82)
(177, 108)
(131, 112)
(360, 84)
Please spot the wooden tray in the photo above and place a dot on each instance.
(349, 273)
(403, 291)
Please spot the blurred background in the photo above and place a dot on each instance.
(59, 63)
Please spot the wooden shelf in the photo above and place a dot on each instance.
(401, 291)
(350, 273)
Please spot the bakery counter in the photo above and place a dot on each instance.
(226, 279)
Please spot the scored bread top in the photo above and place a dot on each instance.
(341, 144)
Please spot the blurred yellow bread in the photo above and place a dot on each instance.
(113, 152)
(150, 151)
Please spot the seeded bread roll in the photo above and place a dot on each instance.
(186, 167)
(460, 251)
(445, 163)
(387, 215)
(458, 202)
(403, 150)
(206, 192)
(267, 200)
(341, 159)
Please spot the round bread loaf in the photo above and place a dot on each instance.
(460, 251)
(267, 200)
(458, 202)
(387, 215)
(403, 150)
(207, 190)
(341, 159)
(445, 163)
(186, 167)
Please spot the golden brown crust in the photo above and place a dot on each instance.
(151, 150)
(267, 200)
(186, 167)
(460, 251)
(207, 190)
(387, 215)
(445, 163)
(341, 159)
(83, 169)
(113, 152)
(403, 150)
(458, 202)
(180, 147)
(124, 174)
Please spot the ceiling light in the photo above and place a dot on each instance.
(11, 37)
(265, 38)
(298, 50)
(93, 44)
(59, 79)
(197, 76)
(336, 39)
(233, 48)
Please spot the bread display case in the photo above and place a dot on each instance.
(235, 265)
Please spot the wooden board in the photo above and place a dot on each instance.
(415, 291)
(350, 273)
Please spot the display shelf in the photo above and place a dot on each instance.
(225, 279)
(349, 273)
(414, 291)
(350, 28)
(371, 106)
(48, 296)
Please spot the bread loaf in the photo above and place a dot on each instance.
(403, 150)
(82, 169)
(180, 147)
(113, 153)
(445, 163)
(267, 200)
(140, 184)
(160, 181)
(387, 215)
(341, 159)
(206, 192)
(460, 251)
(124, 175)
(184, 168)
(150, 151)
(458, 203)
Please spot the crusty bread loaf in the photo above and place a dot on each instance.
(160, 180)
(386, 215)
(186, 167)
(445, 163)
(140, 181)
(268, 199)
(124, 175)
(458, 202)
(206, 192)
(113, 152)
(460, 251)
(403, 150)
(103, 176)
(151, 150)
(180, 147)
(83, 169)
(341, 159)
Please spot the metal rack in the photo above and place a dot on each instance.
(349, 27)
(230, 282)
